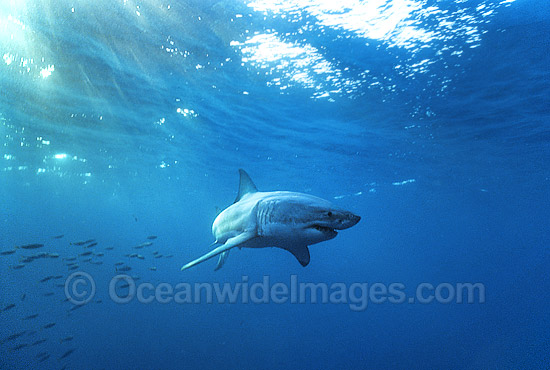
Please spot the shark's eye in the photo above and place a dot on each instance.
(329, 214)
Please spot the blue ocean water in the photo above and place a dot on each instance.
(126, 119)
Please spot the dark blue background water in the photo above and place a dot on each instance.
(123, 119)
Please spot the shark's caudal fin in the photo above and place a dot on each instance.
(230, 243)
(245, 185)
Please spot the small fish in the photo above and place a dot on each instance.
(40, 341)
(91, 245)
(31, 246)
(133, 255)
(53, 255)
(87, 260)
(73, 267)
(83, 242)
(19, 346)
(59, 285)
(152, 237)
(58, 236)
(9, 307)
(70, 259)
(146, 244)
(49, 294)
(47, 278)
(140, 257)
(109, 248)
(66, 354)
(66, 339)
(99, 301)
(50, 325)
(27, 260)
(158, 256)
(99, 254)
(42, 354)
(30, 317)
(86, 253)
(6, 253)
(169, 256)
(124, 268)
(13, 336)
(156, 252)
(119, 263)
(44, 358)
(23, 297)
(18, 267)
(125, 286)
(153, 268)
(138, 247)
(31, 333)
(58, 277)
(76, 307)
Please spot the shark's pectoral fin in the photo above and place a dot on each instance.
(221, 260)
(230, 243)
(301, 253)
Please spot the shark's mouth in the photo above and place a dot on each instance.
(324, 229)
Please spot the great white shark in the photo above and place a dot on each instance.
(283, 219)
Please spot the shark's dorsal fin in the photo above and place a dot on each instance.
(245, 185)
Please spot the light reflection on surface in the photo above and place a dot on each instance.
(20, 44)
(46, 72)
(297, 64)
(410, 25)
(20, 154)
(287, 51)
(373, 19)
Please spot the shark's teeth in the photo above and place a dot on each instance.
(323, 228)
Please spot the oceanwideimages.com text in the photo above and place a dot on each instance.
(80, 288)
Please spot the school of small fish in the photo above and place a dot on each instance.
(30, 325)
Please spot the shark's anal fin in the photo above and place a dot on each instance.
(230, 243)
(301, 252)
(221, 260)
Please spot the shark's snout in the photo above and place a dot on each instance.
(348, 221)
(336, 220)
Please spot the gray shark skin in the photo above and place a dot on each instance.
(283, 219)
